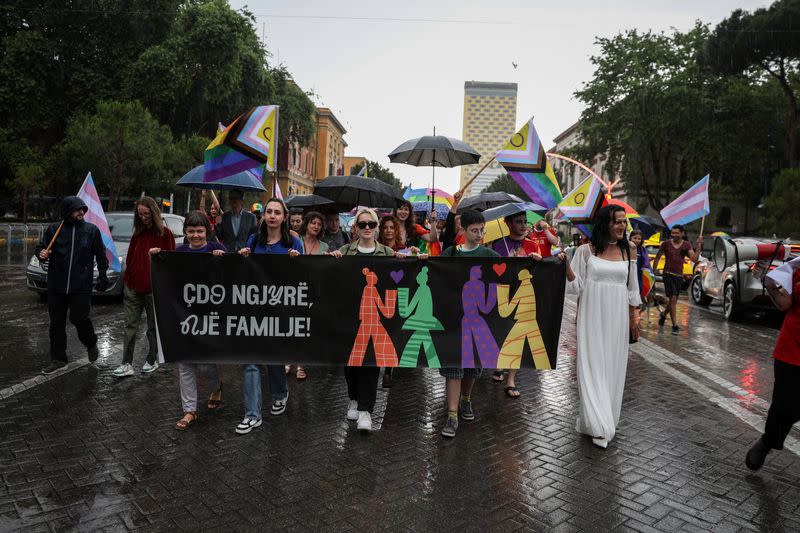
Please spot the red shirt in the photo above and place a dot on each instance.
(137, 262)
(434, 248)
(673, 257)
(787, 348)
(544, 247)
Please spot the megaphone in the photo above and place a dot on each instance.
(725, 252)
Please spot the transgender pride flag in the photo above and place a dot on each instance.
(95, 215)
(689, 206)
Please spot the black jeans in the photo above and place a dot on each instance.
(362, 385)
(784, 411)
(78, 306)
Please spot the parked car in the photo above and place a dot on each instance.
(121, 226)
(738, 286)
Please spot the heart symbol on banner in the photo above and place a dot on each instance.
(397, 275)
(499, 268)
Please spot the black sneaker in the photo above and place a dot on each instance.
(675, 330)
(94, 353)
(662, 318)
(53, 367)
(450, 428)
(756, 455)
(466, 410)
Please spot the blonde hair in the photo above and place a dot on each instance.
(369, 212)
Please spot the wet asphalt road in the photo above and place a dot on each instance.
(85, 451)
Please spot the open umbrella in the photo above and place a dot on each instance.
(305, 201)
(495, 229)
(434, 151)
(488, 200)
(245, 181)
(648, 225)
(351, 191)
(425, 207)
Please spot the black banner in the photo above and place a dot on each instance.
(319, 310)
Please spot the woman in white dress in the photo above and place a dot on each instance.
(603, 275)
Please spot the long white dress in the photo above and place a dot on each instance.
(606, 290)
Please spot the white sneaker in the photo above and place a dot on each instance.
(352, 410)
(364, 421)
(147, 368)
(247, 425)
(123, 370)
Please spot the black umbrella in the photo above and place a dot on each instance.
(348, 192)
(487, 200)
(648, 225)
(303, 201)
(434, 151)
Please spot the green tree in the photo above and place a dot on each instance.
(759, 45)
(378, 171)
(505, 183)
(783, 205)
(123, 145)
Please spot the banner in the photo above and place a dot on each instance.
(319, 310)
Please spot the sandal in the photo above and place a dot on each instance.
(510, 392)
(288, 369)
(187, 421)
(215, 400)
(497, 376)
(301, 374)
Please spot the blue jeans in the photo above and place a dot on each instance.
(278, 387)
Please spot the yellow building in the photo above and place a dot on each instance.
(330, 145)
(490, 120)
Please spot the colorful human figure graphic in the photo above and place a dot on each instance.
(475, 301)
(369, 313)
(421, 322)
(525, 329)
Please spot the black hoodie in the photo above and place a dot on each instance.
(72, 257)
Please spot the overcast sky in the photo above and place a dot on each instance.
(391, 80)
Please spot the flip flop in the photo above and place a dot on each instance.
(301, 375)
(215, 402)
(497, 376)
(186, 422)
(510, 392)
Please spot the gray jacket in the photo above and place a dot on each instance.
(246, 228)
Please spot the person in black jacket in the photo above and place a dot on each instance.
(70, 277)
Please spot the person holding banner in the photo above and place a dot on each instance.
(784, 411)
(674, 250)
(149, 232)
(273, 237)
(70, 248)
(362, 381)
(603, 274)
(197, 229)
(516, 244)
(409, 231)
(334, 236)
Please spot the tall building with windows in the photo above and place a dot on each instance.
(490, 120)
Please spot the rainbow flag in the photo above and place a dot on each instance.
(583, 201)
(648, 280)
(424, 195)
(689, 206)
(249, 143)
(96, 215)
(525, 161)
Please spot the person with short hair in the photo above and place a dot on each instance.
(516, 244)
(544, 236)
(197, 229)
(674, 250)
(237, 224)
(333, 235)
(75, 247)
(460, 381)
(273, 237)
(149, 233)
(296, 221)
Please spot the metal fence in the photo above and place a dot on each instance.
(17, 241)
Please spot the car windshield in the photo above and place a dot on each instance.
(121, 225)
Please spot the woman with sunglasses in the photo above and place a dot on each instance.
(272, 237)
(362, 381)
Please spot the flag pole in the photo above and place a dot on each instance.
(55, 236)
(464, 188)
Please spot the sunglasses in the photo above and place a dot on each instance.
(364, 225)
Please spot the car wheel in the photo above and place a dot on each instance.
(699, 296)
(730, 306)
